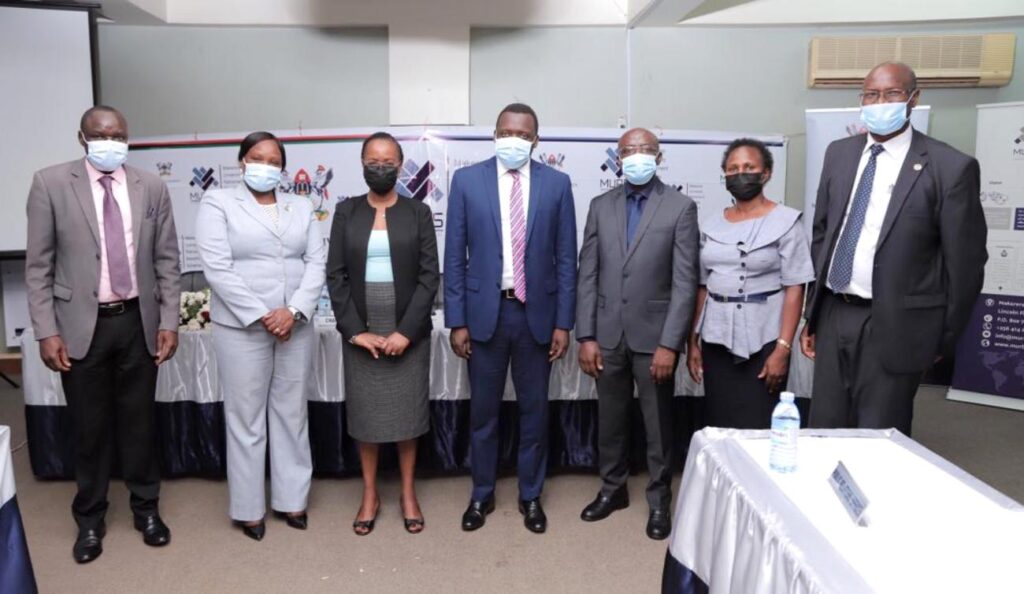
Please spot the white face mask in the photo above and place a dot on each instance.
(106, 155)
(512, 151)
(261, 177)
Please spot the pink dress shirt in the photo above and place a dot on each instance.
(120, 189)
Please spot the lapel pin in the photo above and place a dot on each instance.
(918, 167)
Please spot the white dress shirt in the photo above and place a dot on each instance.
(505, 200)
(120, 190)
(887, 169)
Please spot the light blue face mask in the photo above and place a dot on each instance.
(512, 151)
(884, 118)
(639, 168)
(106, 155)
(261, 177)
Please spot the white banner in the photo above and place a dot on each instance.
(826, 125)
(990, 355)
(325, 166)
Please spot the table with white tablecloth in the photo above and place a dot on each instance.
(742, 528)
(16, 575)
(191, 426)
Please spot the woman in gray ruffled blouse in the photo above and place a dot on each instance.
(755, 260)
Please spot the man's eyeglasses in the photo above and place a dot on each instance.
(891, 96)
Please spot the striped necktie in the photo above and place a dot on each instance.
(518, 233)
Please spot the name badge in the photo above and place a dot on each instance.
(850, 495)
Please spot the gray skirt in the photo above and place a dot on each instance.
(386, 398)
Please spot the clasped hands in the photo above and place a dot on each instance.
(279, 322)
(393, 345)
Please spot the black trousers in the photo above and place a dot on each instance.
(110, 393)
(851, 386)
(733, 395)
(624, 369)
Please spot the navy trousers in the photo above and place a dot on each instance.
(488, 369)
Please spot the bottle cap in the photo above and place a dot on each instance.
(787, 396)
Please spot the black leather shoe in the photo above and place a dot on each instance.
(659, 524)
(476, 514)
(533, 516)
(255, 531)
(89, 544)
(603, 506)
(154, 532)
(299, 522)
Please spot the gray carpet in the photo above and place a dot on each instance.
(208, 555)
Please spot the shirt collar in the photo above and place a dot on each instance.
(524, 171)
(896, 145)
(96, 174)
(644, 190)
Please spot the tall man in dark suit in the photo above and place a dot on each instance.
(510, 295)
(635, 297)
(899, 254)
(101, 266)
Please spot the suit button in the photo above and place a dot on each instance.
(95, 294)
(743, 264)
(624, 300)
(743, 254)
(739, 306)
(741, 291)
(743, 278)
(97, 256)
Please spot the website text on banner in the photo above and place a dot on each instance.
(990, 355)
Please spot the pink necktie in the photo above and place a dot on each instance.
(113, 236)
(518, 225)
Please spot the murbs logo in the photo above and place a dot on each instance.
(1018, 146)
(552, 159)
(203, 178)
(414, 182)
(611, 163)
(163, 168)
(315, 188)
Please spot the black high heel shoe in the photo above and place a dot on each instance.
(255, 532)
(412, 525)
(364, 527)
(299, 522)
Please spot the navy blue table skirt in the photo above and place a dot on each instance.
(191, 438)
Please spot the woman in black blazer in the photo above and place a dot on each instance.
(382, 274)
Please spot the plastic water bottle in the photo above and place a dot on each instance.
(785, 427)
(323, 306)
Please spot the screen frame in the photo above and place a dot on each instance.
(93, 10)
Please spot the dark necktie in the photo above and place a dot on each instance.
(842, 262)
(113, 236)
(634, 210)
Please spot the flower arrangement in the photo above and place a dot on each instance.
(195, 310)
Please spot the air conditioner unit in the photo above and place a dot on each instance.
(939, 60)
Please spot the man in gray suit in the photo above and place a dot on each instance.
(101, 266)
(635, 295)
(899, 253)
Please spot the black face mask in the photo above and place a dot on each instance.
(744, 186)
(380, 178)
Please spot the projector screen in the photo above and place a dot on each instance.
(47, 81)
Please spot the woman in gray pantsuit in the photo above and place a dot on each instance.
(383, 276)
(263, 256)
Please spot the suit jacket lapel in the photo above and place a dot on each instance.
(137, 201)
(533, 200)
(653, 201)
(619, 206)
(250, 206)
(848, 166)
(913, 165)
(492, 195)
(362, 225)
(82, 189)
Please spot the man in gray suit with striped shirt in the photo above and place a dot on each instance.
(101, 266)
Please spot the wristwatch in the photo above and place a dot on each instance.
(296, 314)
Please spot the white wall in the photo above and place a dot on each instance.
(178, 80)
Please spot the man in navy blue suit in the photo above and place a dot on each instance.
(510, 295)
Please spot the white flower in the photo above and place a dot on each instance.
(194, 324)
